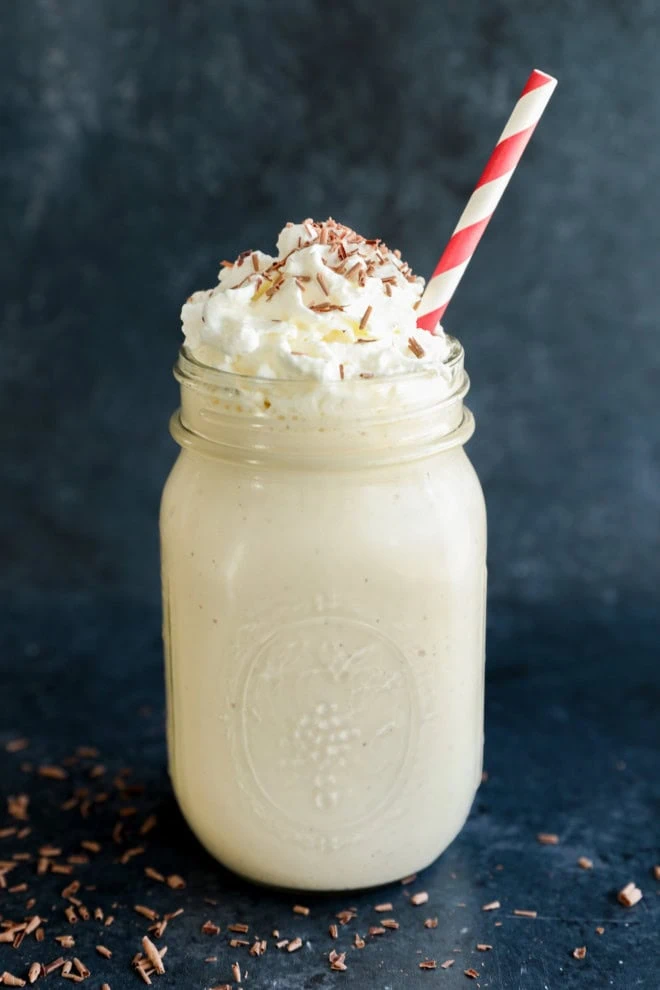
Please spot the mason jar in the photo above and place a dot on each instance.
(324, 582)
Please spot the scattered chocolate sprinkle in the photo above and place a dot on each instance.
(148, 824)
(52, 772)
(153, 955)
(51, 967)
(547, 839)
(236, 972)
(175, 881)
(18, 888)
(390, 923)
(585, 863)
(6, 832)
(519, 913)
(34, 972)
(410, 879)
(656, 872)
(377, 930)
(104, 951)
(239, 927)
(600, 930)
(17, 745)
(366, 374)
(419, 898)
(82, 969)
(580, 952)
(236, 943)
(71, 889)
(358, 941)
(65, 869)
(341, 371)
(146, 912)
(629, 895)
(130, 853)
(383, 907)
(282, 943)
(428, 964)
(17, 806)
(154, 874)
(300, 909)
(141, 972)
(66, 941)
(294, 945)
(483, 947)
(158, 930)
(471, 974)
(226, 264)
(322, 282)
(209, 928)
(9, 980)
(431, 923)
(173, 914)
(365, 317)
(491, 906)
(337, 961)
(416, 347)
(333, 931)
(109, 920)
(447, 964)
(87, 752)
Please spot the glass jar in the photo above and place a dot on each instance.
(324, 581)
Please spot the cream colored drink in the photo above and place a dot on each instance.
(323, 558)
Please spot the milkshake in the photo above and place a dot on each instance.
(323, 561)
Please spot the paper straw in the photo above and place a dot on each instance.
(487, 194)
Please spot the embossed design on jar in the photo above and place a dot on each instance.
(329, 717)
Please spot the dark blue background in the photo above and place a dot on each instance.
(145, 140)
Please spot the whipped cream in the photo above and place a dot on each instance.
(331, 305)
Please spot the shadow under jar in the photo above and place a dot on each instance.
(324, 581)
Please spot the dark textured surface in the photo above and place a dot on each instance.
(572, 742)
(146, 141)
(143, 142)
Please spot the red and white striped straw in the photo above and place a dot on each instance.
(483, 201)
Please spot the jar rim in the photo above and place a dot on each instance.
(189, 369)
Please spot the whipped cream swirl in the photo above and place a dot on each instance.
(331, 305)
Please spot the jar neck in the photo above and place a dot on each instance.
(339, 423)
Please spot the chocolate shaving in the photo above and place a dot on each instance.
(416, 347)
